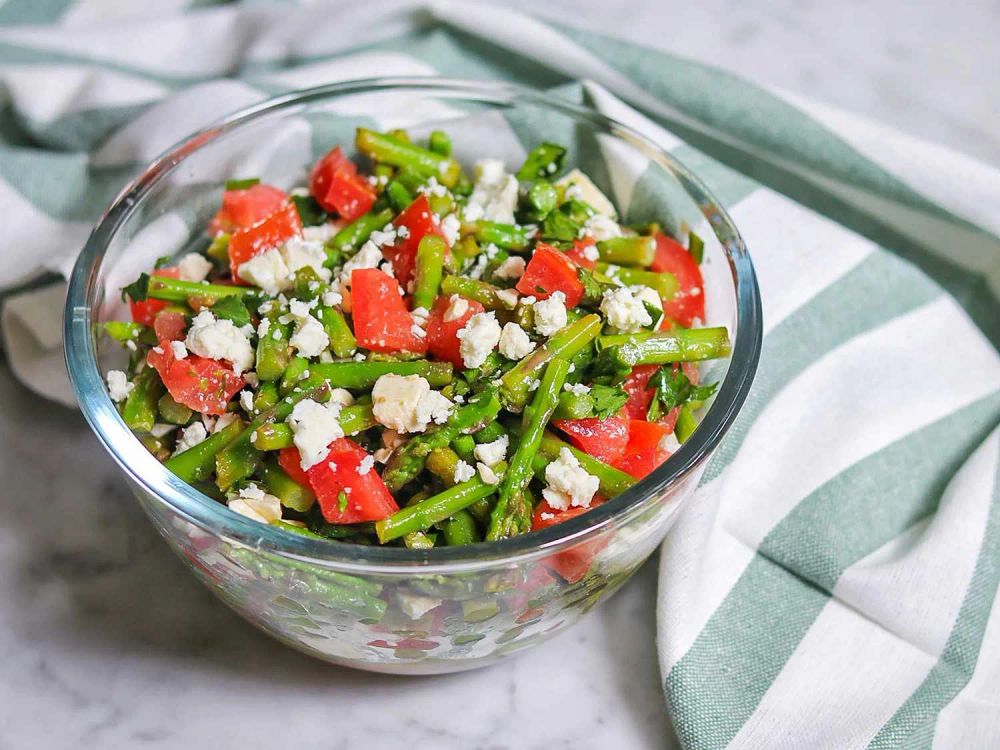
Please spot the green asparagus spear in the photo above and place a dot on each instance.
(358, 375)
(506, 236)
(173, 412)
(515, 385)
(430, 264)
(508, 518)
(574, 406)
(175, 290)
(629, 251)
(687, 422)
(409, 459)
(489, 296)
(399, 153)
(291, 494)
(613, 482)
(355, 234)
(435, 509)
(439, 143)
(664, 283)
(342, 341)
(459, 529)
(544, 160)
(682, 345)
(139, 411)
(196, 463)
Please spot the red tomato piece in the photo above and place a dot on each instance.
(551, 271)
(578, 253)
(419, 222)
(169, 326)
(442, 335)
(337, 186)
(271, 232)
(144, 311)
(365, 496)
(571, 564)
(636, 385)
(381, 321)
(604, 439)
(689, 302)
(205, 385)
(244, 208)
(290, 460)
(643, 452)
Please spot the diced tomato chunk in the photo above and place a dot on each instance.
(290, 460)
(643, 452)
(442, 335)
(603, 439)
(144, 311)
(344, 494)
(169, 326)
(640, 395)
(578, 253)
(244, 208)
(419, 222)
(337, 186)
(381, 321)
(571, 564)
(205, 385)
(689, 302)
(551, 271)
(273, 231)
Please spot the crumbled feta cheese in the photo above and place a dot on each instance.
(369, 256)
(578, 388)
(193, 267)
(601, 227)
(254, 503)
(406, 403)
(190, 436)
(366, 465)
(624, 310)
(315, 426)
(387, 269)
(224, 421)
(578, 185)
(216, 338)
(492, 453)
(591, 253)
(415, 606)
(650, 297)
(302, 253)
(491, 250)
(670, 443)
(118, 385)
(267, 271)
(478, 267)
(162, 430)
(450, 225)
(494, 196)
(332, 298)
(463, 472)
(487, 474)
(420, 315)
(251, 379)
(512, 268)
(246, 401)
(550, 314)
(178, 349)
(263, 327)
(433, 187)
(386, 236)
(508, 298)
(310, 338)
(403, 232)
(342, 396)
(514, 342)
(319, 233)
(568, 483)
(533, 384)
(457, 307)
(478, 338)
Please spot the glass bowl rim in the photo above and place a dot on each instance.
(214, 517)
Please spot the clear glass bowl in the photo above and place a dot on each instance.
(393, 609)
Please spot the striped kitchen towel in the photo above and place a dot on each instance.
(833, 584)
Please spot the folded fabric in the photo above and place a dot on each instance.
(833, 582)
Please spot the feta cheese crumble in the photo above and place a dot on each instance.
(310, 338)
(487, 474)
(246, 401)
(508, 298)
(463, 472)
(450, 225)
(650, 297)
(299, 252)
(193, 267)
(254, 503)
(550, 314)
(514, 342)
(369, 256)
(366, 465)
(670, 443)
(406, 403)
(624, 310)
(601, 227)
(178, 349)
(479, 337)
(457, 307)
(190, 436)
(568, 483)
(512, 268)
(492, 453)
(118, 385)
(267, 270)
(494, 196)
(216, 338)
(315, 426)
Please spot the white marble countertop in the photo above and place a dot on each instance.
(107, 642)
